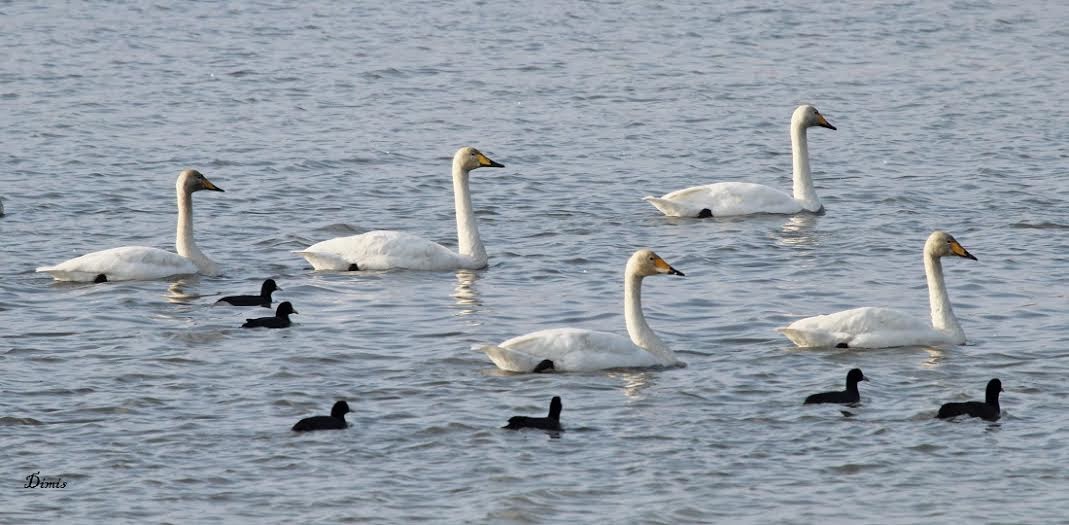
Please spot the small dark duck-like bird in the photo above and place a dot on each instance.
(281, 319)
(552, 422)
(264, 299)
(845, 397)
(335, 421)
(988, 409)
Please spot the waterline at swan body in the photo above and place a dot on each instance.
(387, 249)
(726, 199)
(579, 350)
(872, 327)
(130, 263)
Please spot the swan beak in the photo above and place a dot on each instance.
(960, 250)
(823, 122)
(485, 162)
(207, 185)
(667, 268)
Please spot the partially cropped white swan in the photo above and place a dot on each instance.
(870, 327)
(578, 350)
(387, 249)
(724, 199)
(130, 263)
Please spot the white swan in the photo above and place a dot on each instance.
(140, 262)
(387, 249)
(743, 198)
(578, 350)
(870, 327)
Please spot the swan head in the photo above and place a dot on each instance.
(190, 181)
(808, 116)
(645, 263)
(469, 158)
(942, 244)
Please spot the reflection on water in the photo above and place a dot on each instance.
(176, 291)
(635, 382)
(798, 230)
(467, 298)
(935, 357)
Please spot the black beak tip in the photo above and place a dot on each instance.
(494, 164)
(829, 126)
(674, 271)
(971, 256)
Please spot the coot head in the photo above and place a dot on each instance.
(339, 409)
(284, 309)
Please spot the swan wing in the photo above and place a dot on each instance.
(571, 350)
(725, 199)
(126, 263)
(866, 327)
(381, 250)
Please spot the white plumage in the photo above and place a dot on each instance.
(871, 327)
(579, 350)
(725, 199)
(386, 249)
(129, 263)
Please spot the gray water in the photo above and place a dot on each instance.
(334, 118)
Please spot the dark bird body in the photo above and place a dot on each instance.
(846, 397)
(335, 421)
(264, 299)
(988, 409)
(552, 422)
(281, 319)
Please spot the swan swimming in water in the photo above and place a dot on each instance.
(387, 249)
(870, 327)
(579, 350)
(724, 199)
(130, 263)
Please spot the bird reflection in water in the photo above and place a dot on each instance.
(798, 230)
(467, 298)
(176, 291)
(635, 382)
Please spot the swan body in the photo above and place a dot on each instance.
(386, 249)
(579, 350)
(742, 198)
(871, 327)
(141, 262)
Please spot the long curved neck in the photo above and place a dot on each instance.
(640, 332)
(804, 192)
(184, 244)
(942, 314)
(469, 244)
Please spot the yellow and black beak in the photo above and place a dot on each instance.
(667, 268)
(485, 162)
(959, 250)
(207, 185)
(823, 122)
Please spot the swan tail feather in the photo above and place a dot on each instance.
(669, 208)
(812, 339)
(325, 261)
(508, 359)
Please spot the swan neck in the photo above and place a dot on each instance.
(469, 244)
(641, 333)
(804, 192)
(184, 243)
(942, 314)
